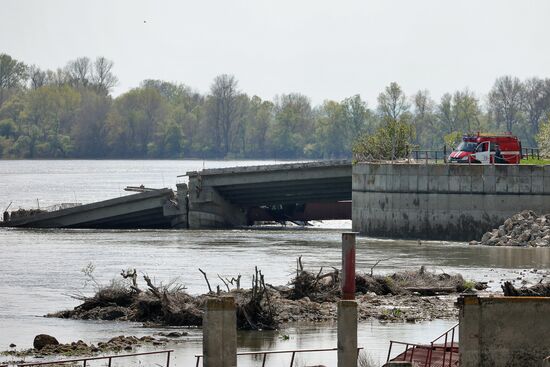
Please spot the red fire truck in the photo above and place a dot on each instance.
(487, 149)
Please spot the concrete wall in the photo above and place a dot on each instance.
(504, 331)
(455, 202)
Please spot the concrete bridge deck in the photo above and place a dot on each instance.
(151, 209)
(235, 196)
(218, 198)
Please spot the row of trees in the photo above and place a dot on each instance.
(70, 112)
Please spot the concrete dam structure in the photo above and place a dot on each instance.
(452, 202)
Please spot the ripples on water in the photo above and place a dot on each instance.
(39, 268)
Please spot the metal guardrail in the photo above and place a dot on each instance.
(430, 347)
(109, 358)
(266, 352)
(535, 152)
(430, 155)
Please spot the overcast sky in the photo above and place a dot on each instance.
(323, 49)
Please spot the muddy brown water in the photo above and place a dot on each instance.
(40, 268)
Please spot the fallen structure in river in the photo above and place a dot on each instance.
(150, 208)
(215, 198)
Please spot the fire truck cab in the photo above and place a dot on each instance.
(487, 149)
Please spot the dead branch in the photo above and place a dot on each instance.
(236, 280)
(375, 264)
(133, 275)
(225, 283)
(207, 282)
(299, 266)
(152, 287)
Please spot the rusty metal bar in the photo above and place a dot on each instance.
(452, 346)
(428, 361)
(293, 351)
(292, 359)
(406, 350)
(445, 348)
(93, 358)
(412, 353)
(389, 351)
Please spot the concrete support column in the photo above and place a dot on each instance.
(347, 333)
(347, 308)
(181, 220)
(469, 318)
(219, 340)
(348, 265)
(208, 209)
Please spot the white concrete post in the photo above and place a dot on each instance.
(347, 333)
(219, 339)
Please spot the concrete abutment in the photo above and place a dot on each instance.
(452, 202)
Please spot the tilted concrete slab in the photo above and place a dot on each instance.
(151, 209)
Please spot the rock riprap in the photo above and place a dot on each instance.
(525, 229)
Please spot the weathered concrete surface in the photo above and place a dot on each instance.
(454, 202)
(151, 209)
(347, 333)
(221, 198)
(504, 331)
(219, 340)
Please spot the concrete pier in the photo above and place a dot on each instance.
(347, 308)
(444, 201)
(219, 343)
(347, 333)
(503, 331)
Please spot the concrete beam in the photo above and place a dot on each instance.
(100, 214)
(274, 173)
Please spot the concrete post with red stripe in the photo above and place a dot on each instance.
(347, 307)
(348, 265)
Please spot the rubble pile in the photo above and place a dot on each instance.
(525, 229)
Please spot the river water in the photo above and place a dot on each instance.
(39, 269)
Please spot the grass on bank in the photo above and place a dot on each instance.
(541, 161)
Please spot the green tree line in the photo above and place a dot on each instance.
(70, 112)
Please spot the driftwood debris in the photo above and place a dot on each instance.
(132, 274)
(309, 295)
(431, 291)
(207, 282)
(538, 290)
(256, 313)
